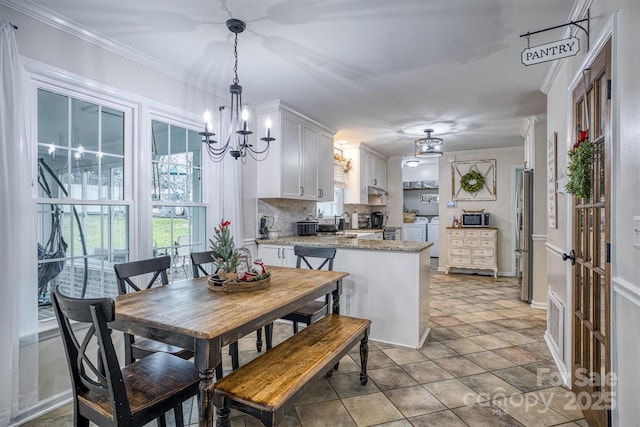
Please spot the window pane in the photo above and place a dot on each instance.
(53, 119)
(84, 126)
(53, 167)
(112, 178)
(112, 131)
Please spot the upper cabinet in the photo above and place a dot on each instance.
(367, 183)
(300, 160)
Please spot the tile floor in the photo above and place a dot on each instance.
(485, 363)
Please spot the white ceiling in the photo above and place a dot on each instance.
(367, 68)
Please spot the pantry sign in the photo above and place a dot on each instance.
(551, 51)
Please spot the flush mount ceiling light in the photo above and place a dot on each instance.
(412, 163)
(237, 140)
(430, 146)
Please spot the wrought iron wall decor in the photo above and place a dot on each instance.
(473, 180)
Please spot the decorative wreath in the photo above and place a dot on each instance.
(580, 168)
(472, 181)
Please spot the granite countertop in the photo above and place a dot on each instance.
(349, 242)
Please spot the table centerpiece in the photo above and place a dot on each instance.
(234, 273)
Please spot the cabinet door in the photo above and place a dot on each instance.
(270, 254)
(291, 159)
(381, 173)
(288, 257)
(309, 163)
(325, 167)
(371, 169)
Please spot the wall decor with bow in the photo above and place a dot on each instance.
(473, 180)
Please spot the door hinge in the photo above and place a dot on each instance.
(608, 88)
(609, 253)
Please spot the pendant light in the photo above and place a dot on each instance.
(430, 146)
(237, 140)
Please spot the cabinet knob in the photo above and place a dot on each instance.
(301, 190)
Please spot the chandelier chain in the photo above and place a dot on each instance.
(235, 67)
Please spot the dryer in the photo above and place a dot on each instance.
(434, 236)
(415, 231)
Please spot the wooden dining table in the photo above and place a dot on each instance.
(190, 315)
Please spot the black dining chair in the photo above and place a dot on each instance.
(103, 392)
(198, 261)
(136, 347)
(307, 257)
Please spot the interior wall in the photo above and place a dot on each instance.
(76, 62)
(620, 18)
(501, 209)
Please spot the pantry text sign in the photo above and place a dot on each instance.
(551, 51)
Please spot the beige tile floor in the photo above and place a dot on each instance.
(485, 363)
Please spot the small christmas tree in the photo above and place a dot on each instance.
(225, 256)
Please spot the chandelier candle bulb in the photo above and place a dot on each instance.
(245, 117)
(267, 124)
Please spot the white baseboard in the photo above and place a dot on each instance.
(562, 369)
(539, 305)
(41, 408)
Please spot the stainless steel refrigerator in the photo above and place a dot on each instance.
(524, 228)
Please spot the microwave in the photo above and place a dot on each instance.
(476, 219)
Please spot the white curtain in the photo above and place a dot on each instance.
(18, 255)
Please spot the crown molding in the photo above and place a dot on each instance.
(89, 35)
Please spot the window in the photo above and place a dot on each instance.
(179, 225)
(333, 208)
(83, 218)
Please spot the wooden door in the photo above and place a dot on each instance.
(591, 242)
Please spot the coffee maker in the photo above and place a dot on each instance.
(377, 220)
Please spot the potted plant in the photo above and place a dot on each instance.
(580, 168)
(225, 256)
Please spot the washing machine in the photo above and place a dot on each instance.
(434, 236)
(415, 231)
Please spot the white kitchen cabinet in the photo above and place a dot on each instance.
(300, 160)
(278, 255)
(473, 248)
(369, 169)
(376, 175)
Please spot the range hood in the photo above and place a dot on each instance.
(376, 191)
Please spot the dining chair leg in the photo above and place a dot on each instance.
(233, 350)
(268, 332)
(219, 370)
(177, 411)
(259, 340)
(295, 327)
(162, 421)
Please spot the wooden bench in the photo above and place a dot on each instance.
(268, 385)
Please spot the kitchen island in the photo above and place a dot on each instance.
(388, 281)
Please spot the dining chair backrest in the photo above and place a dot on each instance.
(106, 393)
(128, 270)
(324, 256)
(100, 375)
(198, 259)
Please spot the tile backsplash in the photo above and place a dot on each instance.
(282, 214)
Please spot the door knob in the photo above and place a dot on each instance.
(571, 256)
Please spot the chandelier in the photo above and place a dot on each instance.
(236, 145)
(429, 146)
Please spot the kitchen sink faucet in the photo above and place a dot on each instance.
(335, 219)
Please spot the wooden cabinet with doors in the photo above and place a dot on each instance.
(300, 160)
(473, 248)
(279, 255)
